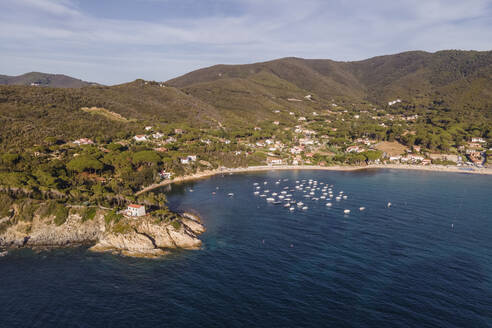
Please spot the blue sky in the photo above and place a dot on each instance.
(115, 41)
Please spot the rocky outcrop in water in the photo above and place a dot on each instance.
(143, 237)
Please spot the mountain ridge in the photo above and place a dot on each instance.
(45, 80)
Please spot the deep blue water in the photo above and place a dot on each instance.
(424, 262)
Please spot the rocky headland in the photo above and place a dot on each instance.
(146, 236)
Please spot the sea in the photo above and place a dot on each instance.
(423, 261)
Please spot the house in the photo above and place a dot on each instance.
(395, 158)
(274, 161)
(157, 135)
(140, 137)
(291, 113)
(306, 142)
(135, 210)
(84, 141)
(391, 103)
(178, 131)
(170, 139)
(161, 149)
(478, 140)
(165, 175)
(296, 150)
(302, 118)
(188, 159)
(148, 128)
(353, 149)
(276, 122)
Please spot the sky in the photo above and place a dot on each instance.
(116, 41)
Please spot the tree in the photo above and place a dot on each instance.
(84, 163)
(148, 157)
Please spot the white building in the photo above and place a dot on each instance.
(84, 141)
(188, 159)
(135, 210)
(140, 137)
(479, 140)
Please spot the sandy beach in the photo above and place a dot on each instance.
(209, 173)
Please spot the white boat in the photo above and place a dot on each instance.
(270, 199)
(389, 204)
(306, 196)
(265, 191)
(230, 194)
(281, 197)
(311, 193)
(300, 204)
(345, 197)
(258, 187)
(283, 192)
(328, 204)
(362, 208)
(277, 182)
(255, 184)
(265, 183)
(274, 194)
(305, 208)
(262, 195)
(256, 193)
(291, 209)
(338, 198)
(287, 205)
(346, 211)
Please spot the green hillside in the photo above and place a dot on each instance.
(460, 79)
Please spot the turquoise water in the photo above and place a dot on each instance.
(426, 261)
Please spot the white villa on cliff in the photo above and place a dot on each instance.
(135, 210)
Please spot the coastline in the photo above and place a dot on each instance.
(209, 173)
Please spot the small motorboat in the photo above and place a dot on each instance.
(230, 194)
(328, 204)
(362, 208)
(346, 211)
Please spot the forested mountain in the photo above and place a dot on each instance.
(45, 80)
(454, 79)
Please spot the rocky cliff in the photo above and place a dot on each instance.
(143, 237)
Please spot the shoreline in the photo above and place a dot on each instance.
(210, 173)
